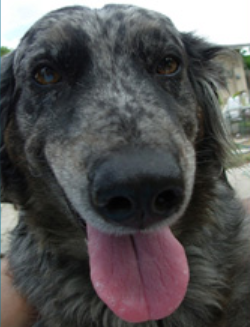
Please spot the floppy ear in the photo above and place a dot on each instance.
(207, 75)
(7, 89)
(10, 178)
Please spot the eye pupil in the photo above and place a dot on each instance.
(47, 76)
(168, 66)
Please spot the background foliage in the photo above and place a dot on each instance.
(4, 50)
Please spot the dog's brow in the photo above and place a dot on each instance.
(155, 41)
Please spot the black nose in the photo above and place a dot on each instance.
(137, 188)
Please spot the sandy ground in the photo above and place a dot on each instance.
(8, 222)
(239, 178)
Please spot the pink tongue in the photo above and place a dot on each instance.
(141, 277)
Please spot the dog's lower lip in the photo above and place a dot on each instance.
(81, 222)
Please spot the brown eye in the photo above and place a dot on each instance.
(168, 66)
(47, 76)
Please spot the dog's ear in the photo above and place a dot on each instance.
(207, 76)
(7, 90)
(10, 177)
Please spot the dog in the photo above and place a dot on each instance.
(114, 151)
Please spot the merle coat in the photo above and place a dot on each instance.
(116, 87)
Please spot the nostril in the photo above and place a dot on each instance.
(166, 201)
(119, 204)
(118, 208)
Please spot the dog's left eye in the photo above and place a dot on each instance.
(47, 76)
(168, 66)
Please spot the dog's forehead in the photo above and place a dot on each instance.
(133, 17)
(110, 16)
(114, 20)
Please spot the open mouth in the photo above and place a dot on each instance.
(141, 276)
(138, 267)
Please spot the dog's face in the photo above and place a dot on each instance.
(103, 114)
(108, 81)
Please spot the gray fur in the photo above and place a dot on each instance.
(111, 98)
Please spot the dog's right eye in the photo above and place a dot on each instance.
(169, 66)
(47, 76)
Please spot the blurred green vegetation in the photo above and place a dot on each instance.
(4, 50)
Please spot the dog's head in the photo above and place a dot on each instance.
(106, 116)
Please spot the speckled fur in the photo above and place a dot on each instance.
(111, 98)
